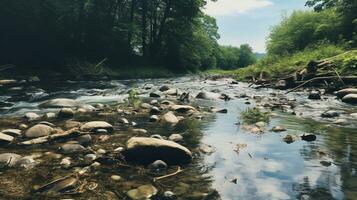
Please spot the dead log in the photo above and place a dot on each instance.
(63, 135)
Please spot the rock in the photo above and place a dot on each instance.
(115, 178)
(145, 106)
(281, 84)
(182, 188)
(61, 185)
(154, 110)
(157, 136)
(50, 115)
(353, 115)
(27, 162)
(341, 122)
(66, 162)
(167, 103)
(46, 123)
(278, 129)
(308, 137)
(170, 118)
(85, 140)
(169, 195)
(101, 151)
(182, 108)
(143, 192)
(315, 95)
(344, 92)
(33, 79)
(139, 131)
(154, 95)
(31, 116)
(350, 98)
(208, 95)
(206, 149)
(7, 82)
(158, 165)
(330, 114)
(60, 103)
(164, 88)
(90, 157)
(72, 124)
(23, 127)
(290, 139)
(172, 92)
(261, 124)
(100, 131)
(124, 121)
(12, 132)
(4, 138)
(154, 102)
(176, 137)
(145, 150)
(72, 148)
(92, 126)
(66, 113)
(9, 159)
(154, 118)
(218, 110)
(39, 130)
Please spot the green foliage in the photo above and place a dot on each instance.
(303, 29)
(230, 57)
(254, 115)
(133, 98)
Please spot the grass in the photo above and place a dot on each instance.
(274, 67)
(133, 99)
(254, 115)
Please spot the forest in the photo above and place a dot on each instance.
(174, 34)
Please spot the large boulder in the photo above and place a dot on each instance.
(344, 92)
(350, 98)
(208, 95)
(60, 103)
(95, 125)
(144, 150)
(39, 130)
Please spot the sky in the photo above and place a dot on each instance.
(249, 21)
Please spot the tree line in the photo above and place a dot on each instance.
(171, 33)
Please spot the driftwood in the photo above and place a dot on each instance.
(41, 140)
(179, 170)
(343, 78)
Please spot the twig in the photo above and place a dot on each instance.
(339, 76)
(179, 170)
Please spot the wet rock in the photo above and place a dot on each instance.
(208, 95)
(158, 165)
(66, 162)
(12, 132)
(281, 84)
(100, 131)
(31, 116)
(155, 95)
(46, 123)
(164, 88)
(350, 98)
(167, 103)
(143, 192)
(169, 118)
(341, 122)
(101, 151)
(23, 127)
(33, 79)
(85, 140)
(308, 137)
(39, 130)
(330, 114)
(4, 138)
(353, 115)
(124, 121)
(278, 129)
(90, 157)
(218, 110)
(66, 113)
(72, 124)
(154, 110)
(154, 102)
(344, 92)
(7, 82)
(182, 108)
(139, 131)
(145, 106)
(252, 129)
(290, 139)
(92, 126)
(315, 95)
(154, 118)
(325, 163)
(27, 162)
(171, 91)
(72, 148)
(169, 195)
(50, 115)
(60, 103)
(58, 186)
(261, 124)
(115, 178)
(176, 137)
(147, 150)
(157, 136)
(9, 159)
(206, 149)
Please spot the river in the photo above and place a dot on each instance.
(264, 166)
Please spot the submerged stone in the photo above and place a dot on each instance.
(145, 150)
(350, 98)
(143, 192)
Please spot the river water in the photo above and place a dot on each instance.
(264, 167)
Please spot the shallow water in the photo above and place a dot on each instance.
(267, 168)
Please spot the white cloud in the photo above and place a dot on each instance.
(234, 7)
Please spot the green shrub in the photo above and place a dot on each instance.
(254, 115)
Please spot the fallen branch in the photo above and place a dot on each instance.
(179, 170)
(323, 78)
(41, 140)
